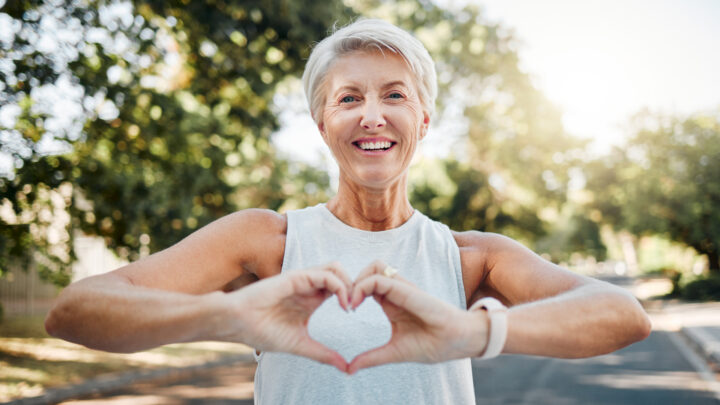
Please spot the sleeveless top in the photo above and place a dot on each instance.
(424, 252)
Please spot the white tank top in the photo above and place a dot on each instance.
(425, 253)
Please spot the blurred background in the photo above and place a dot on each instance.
(589, 131)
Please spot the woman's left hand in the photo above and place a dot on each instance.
(425, 329)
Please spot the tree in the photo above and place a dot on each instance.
(172, 106)
(513, 160)
(665, 181)
(165, 119)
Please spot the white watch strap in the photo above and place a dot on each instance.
(497, 312)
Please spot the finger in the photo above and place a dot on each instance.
(312, 281)
(315, 350)
(330, 282)
(380, 355)
(337, 269)
(376, 267)
(374, 285)
(401, 293)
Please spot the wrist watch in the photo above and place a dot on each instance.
(497, 312)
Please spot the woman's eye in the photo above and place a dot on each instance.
(395, 95)
(347, 99)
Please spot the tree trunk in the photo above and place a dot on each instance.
(627, 243)
(714, 261)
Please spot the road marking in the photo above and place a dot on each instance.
(698, 364)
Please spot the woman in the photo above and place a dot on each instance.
(371, 89)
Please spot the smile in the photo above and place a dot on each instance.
(374, 146)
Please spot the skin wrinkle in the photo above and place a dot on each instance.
(316, 105)
(373, 95)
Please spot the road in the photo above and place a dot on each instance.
(655, 371)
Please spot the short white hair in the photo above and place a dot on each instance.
(363, 35)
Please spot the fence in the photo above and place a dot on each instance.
(23, 293)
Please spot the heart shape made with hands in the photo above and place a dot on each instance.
(350, 333)
(402, 323)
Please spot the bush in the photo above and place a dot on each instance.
(701, 289)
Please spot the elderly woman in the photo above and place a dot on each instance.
(448, 295)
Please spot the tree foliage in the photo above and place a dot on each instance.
(174, 115)
(665, 181)
(514, 157)
(164, 121)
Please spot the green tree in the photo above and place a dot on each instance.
(513, 160)
(174, 120)
(573, 232)
(665, 181)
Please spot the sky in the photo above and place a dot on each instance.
(600, 62)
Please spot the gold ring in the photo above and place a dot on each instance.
(390, 271)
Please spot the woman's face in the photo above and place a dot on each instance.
(373, 118)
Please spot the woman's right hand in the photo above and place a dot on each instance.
(272, 314)
(425, 329)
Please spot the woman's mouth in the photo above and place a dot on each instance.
(377, 146)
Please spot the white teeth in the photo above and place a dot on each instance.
(374, 145)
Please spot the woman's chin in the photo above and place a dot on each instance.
(376, 180)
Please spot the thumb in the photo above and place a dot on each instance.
(384, 354)
(317, 351)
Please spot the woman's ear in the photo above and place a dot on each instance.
(321, 128)
(425, 125)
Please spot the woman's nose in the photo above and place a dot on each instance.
(372, 118)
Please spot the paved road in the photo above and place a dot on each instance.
(651, 372)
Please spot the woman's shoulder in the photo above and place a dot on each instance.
(485, 241)
(260, 234)
(481, 248)
(260, 220)
(479, 252)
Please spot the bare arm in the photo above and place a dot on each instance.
(553, 312)
(108, 313)
(173, 295)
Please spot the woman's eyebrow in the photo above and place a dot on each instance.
(346, 88)
(394, 83)
(356, 88)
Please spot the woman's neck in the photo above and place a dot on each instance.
(371, 209)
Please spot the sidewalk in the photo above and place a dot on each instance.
(112, 382)
(697, 323)
(38, 369)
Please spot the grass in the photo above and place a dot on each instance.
(31, 361)
(23, 327)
